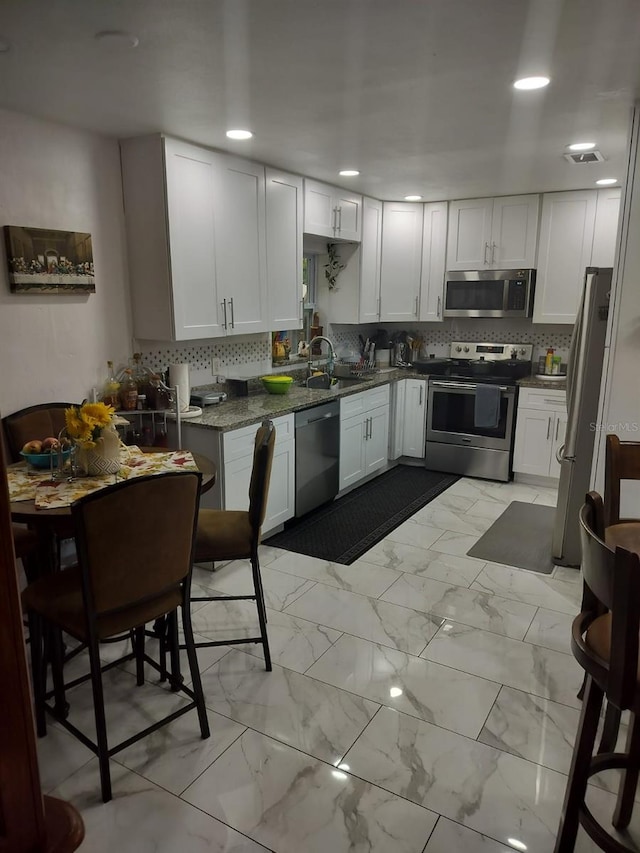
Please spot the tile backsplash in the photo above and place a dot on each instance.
(438, 336)
(250, 355)
(246, 355)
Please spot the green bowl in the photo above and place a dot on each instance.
(277, 384)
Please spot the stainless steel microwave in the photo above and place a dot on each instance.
(489, 293)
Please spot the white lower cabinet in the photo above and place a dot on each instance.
(364, 434)
(396, 418)
(237, 456)
(415, 418)
(540, 429)
(232, 454)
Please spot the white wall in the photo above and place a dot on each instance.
(56, 347)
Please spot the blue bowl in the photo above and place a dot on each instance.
(44, 460)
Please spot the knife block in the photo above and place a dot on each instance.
(316, 349)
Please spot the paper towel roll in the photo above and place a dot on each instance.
(179, 375)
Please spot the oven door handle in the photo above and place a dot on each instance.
(468, 386)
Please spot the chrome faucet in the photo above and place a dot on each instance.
(332, 355)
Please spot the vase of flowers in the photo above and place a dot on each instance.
(92, 428)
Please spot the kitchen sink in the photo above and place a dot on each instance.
(325, 383)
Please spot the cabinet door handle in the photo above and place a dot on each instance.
(302, 310)
(486, 249)
(557, 428)
(494, 246)
(224, 306)
(233, 325)
(548, 428)
(366, 428)
(339, 219)
(415, 310)
(335, 220)
(378, 304)
(420, 403)
(439, 306)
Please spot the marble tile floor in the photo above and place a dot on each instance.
(421, 701)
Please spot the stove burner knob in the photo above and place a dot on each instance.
(458, 349)
(466, 349)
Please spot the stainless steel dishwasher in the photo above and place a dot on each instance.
(317, 456)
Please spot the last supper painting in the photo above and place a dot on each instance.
(42, 260)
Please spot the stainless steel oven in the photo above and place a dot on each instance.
(489, 293)
(454, 442)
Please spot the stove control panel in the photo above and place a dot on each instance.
(491, 351)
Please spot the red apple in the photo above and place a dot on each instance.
(33, 446)
(50, 443)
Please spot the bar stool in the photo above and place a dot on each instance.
(605, 642)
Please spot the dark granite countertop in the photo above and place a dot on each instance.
(238, 412)
(534, 381)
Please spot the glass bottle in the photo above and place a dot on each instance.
(128, 391)
(141, 375)
(111, 389)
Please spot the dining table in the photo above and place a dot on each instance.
(44, 503)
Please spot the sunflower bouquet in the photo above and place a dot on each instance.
(85, 423)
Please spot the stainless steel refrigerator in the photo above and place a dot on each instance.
(584, 372)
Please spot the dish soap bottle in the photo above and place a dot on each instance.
(548, 362)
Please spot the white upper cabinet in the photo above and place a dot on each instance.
(401, 261)
(240, 247)
(606, 228)
(170, 223)
(469, 234)
(370, 260)
(514, 232)
(434, 249)
(195, 222)
(488, 233)
(284, 250)
(566, 241)
(332, 212)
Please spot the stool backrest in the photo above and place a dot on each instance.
(135, 539)
(622, 462)
(41, 421)
(261, 473)
(612, 583)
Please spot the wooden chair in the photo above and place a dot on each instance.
(604, 641)
(45, 419)
(135, 549)
(622, 462)
(235, 535)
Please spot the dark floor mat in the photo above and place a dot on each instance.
(520, 537)
(342, 531)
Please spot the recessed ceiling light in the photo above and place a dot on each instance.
(239, 134)
(5, 47)
(117, 38)
(582, 146)
(412, 197)
(531, 83)
(349, 173)
(605, 182)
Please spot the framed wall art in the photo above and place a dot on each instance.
(42, 260)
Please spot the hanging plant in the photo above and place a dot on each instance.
(333, 269)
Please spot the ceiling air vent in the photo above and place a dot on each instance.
(580, 157)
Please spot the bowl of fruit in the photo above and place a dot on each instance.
(46, 453)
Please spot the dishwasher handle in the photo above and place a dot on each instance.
(323, 417)
(317, 414)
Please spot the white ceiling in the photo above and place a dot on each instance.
(415, 93)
